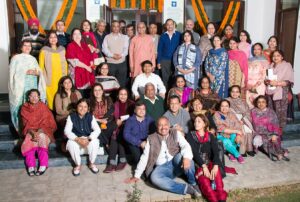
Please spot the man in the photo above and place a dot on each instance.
(100, 32)
(141, 48)
(167, 155)
(63, 37)
(154, 103)
(130, 32)
(115, 47)
(155, 36)
(138, 86)
(36, 39)
(189, 25)
(179, 118)
(167, 45)
(123, 26)
(136, 131)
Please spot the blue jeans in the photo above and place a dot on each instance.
(163, 176)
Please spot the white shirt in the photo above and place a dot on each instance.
(72, 136)
(141, 80)
(164, 155)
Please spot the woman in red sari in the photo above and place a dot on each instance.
(81, 66)
(38, 128)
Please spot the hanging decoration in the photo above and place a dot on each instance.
(66, 12)
(140, 4)
(202, 19)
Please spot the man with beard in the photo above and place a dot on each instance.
(37, 39)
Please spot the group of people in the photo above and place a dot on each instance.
(177, 102)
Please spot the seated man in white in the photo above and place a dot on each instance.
(138, 86)
(167, 155)
(82, 131)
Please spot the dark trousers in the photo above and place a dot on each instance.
(115, 147)
(166, 72)
(120, 72)
(106, 134)
(136, 153)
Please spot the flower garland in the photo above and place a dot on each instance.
(66, 12)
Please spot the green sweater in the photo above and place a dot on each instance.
(155, 110)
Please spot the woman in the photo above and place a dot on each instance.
(38, 128)
(278, 97)
(272, 46)
(267, 128)
(227, 35)
(181, 90)
(242, 111)
(109, 83)
(197, 108)
(205, 151)
(89, 37)
(187, 60)
(123, 109)
(230, 131)
(209, 98)
(257, 69)
(81, 63)
(53, 64)
(103, 109)
(238, 64)
(82, 131)
(205, 40)
(24, 74)
(245, 43)
(216, 68)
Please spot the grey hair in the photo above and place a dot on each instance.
(100, 21)
(149, 84)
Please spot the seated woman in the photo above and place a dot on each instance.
(230, 132)
(38, 128)
(123, 109)
(240, 108)
(109, 83)
(205, 151)
(103, 109)
(181, 90)
(197, 108)
(268, 133)
(210, 99)
(82, 131)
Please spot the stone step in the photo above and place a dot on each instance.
(9, 160)
(297, 115)
(292, 127)
(290, 139)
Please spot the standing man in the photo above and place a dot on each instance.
(36, 39)
(154, 35)
(130, 32)
(115, 47)
(100, 32)
(141, 49)
(189, 25)
(167, 45)
(63, 37)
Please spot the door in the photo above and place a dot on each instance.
(288, 30)
(149, 17)
(108, 17)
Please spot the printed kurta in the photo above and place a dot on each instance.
(54, 66)
(210, 100)
(241, 58)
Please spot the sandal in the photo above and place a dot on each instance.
(93, 168)
(31, 171)
(41, 171)
(285, 158)
(76, 171)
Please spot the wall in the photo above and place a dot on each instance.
(4, 48)
(259, 19)
(296, 66)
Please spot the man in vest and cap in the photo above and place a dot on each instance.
(167, 155)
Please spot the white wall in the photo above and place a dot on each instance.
(4, 48)
(260, 19)
(296, 66)
(94, 9)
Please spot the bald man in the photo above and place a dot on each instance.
(189, 25)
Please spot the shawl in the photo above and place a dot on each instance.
(129, 108)
(260, 58)
(241, 58)
(90, 39)
(38, 118)
(205, 45)
(229, 121)
(187, 52)
(284, 72)
(47, 72)
(210, 100)
(185, 94)
(245, 47)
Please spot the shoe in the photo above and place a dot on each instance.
(41, 171)
(285, 158)
(120, 167)
(244, 155)
(76, 171)
(109, 168)
(93, 168)
(192, 191)
(231, 158)
(31, 171)
(251, 153)
(241, 159)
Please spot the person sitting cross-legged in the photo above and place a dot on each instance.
(166, 155)
(82, 131)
